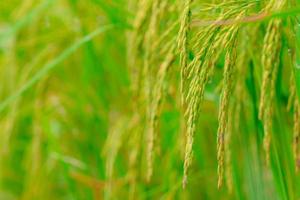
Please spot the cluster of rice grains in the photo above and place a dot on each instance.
(293, 101)
(151, 54)
(270, 62)
(164, 30)
(209, 42)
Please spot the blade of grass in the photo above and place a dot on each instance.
(53, 63)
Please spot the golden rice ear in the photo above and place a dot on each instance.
(296, 134)
(293, 103)
(135, 46)
(148, 77)
(227, 150)
(270, 62)
(156, 106)
(208, 44)
(296, 128)
(229, 67)
(215, 38)
(138, 45)
(183, 44)
(236, 103)
(159, 55)
(113, 144)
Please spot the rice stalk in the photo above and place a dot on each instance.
(34, 186)
(183, 44)
(200, 70)
(238, 92)
(156, 106)
(293, 102)
(296, 134)
(269, 56)
(270, 62)
(137, 37)
(230, 59)
(136, 47)
(153, 83)
(134, 146)
(111, 149)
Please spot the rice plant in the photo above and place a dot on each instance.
(149, 99)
